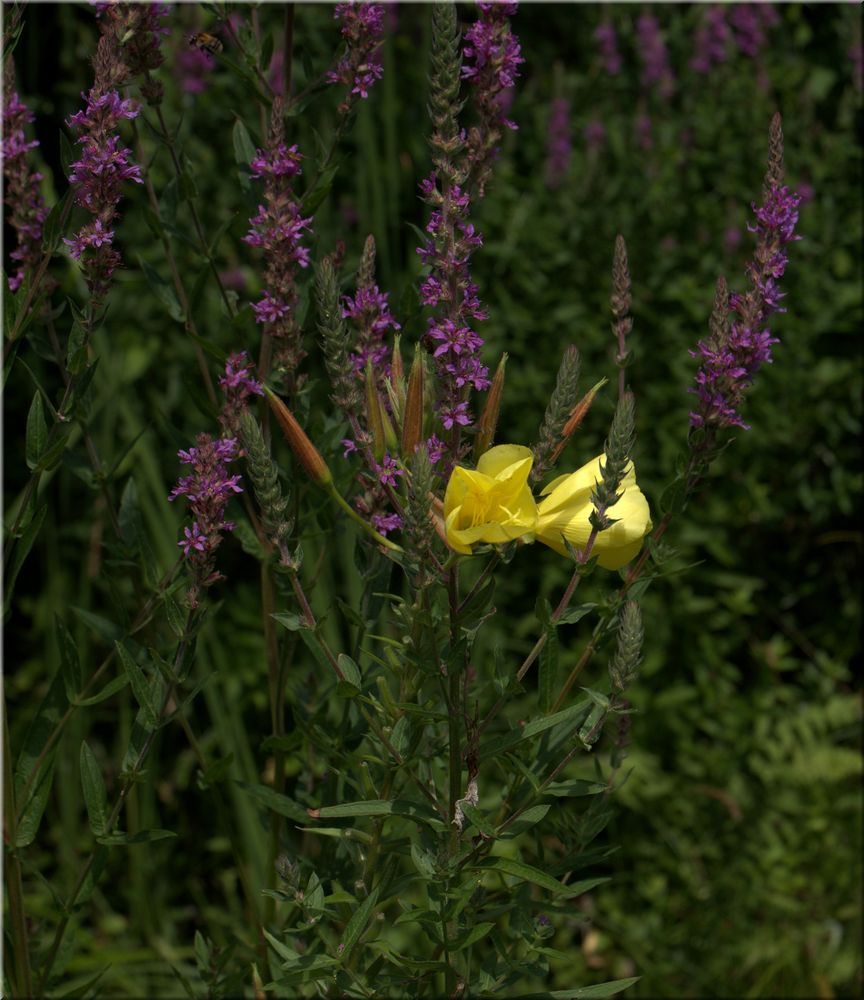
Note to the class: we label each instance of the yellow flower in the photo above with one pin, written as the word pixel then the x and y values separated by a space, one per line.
pixel 567 506
pixel 492 503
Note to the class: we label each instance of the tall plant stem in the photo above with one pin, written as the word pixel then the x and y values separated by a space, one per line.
pixel 563 604
pixel 276 686
pixel 20 952
pixel 113 816
pixel 166 138
pixel 179 287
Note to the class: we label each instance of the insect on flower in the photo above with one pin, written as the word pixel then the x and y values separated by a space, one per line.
pixel 206 42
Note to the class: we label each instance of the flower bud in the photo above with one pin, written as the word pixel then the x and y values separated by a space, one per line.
pixel 489 417
pixel 575 419
pixel 305 452
pixel 374 414
pixel 412 420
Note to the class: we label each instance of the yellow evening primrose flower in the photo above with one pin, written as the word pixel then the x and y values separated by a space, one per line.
pixel 567 506
pixel 492 503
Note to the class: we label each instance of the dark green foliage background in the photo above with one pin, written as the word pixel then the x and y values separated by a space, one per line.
pixel 739 825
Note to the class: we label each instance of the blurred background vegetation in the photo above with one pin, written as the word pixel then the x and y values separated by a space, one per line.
pixel 738 827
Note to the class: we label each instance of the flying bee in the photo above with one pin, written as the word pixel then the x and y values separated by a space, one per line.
pixel 206 42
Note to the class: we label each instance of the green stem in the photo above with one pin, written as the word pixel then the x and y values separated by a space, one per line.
pixel 367 527
pixel 277 724
pixel 112 817
pixel 20 952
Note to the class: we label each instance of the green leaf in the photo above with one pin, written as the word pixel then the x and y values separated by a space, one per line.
pixel 531 817
pixel 120 839
pixel 573 615
pixel 93 786
pixel 597 992
pixel 161 289
pixel 20 552
pixel 471 936
pixel 358 922
pixel 518 869
pixel 478 819
pixel 350 669
pixel 141 687
pixel 379 807
pixel 107 631
pixel 76 349
pixel 275 801
pixel 423 862
pixel 111 688
pixel 547 681
pixel 30 769
pixel 307 968
pixel 70 665
pixel 51 231
pixel 36 433
pixel 567 718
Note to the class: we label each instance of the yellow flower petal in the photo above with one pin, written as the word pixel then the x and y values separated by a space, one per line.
pixel 566 508
pixel 492 503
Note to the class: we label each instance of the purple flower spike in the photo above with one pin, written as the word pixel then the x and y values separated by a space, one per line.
pixel 711 41
pixel 360 66
pixel 278 228
pixel 27 210
pixel 735 351
pixel 238 384
pixel 656 71
pixel 559 142
pixel 607 40
pixel 98 176
pixel 208 490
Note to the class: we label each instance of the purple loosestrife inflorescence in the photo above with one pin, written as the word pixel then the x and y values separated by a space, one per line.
pixel 749 23
pixel 711 41
pixel 27 210
pixel 360 65
pixel 277 229
pixel 740 345
pixel 607 39
pixel 207 490
pixel 559 142
pixel 595 136
pixel 370 313
pixel 656 71
pixel 491 60
pixel 98 176
pixel 238 384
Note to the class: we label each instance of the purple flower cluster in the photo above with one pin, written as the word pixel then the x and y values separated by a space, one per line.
pixel 98 176
pixel 730 360
pixel 749 24
pixel 711 41
pixel 492 56
pixel 238 384
pixel 370 313
pixel 208 490
pixel 559 142
pixel 607 40
pixel 656 71
pixel 449 288
pixel 21 194
pixel 131 45
pixel 856 54
pixel 277 229
pixel 490 62
pixel 360 66
pixel 192 68
pixel 595 136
